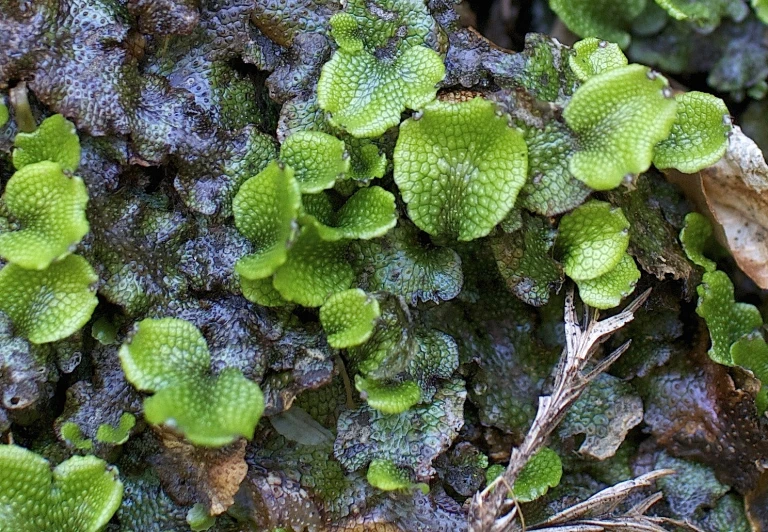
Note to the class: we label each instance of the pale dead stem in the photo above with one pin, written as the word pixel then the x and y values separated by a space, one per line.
pixel 491 511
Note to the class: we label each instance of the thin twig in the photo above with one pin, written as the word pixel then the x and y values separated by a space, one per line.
pixel 570 381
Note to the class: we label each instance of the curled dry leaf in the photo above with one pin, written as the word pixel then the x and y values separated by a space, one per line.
pixel 734 194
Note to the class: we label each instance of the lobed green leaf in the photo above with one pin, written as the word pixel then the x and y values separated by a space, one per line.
pixel 49 209
pixel 607 290
pixel 694 236
pixel 265 210
pixel 80 495
pixel 592 56
pixel 348 318
pixel 618 117
pixel 318 159
pixel 726 320
pixel 699 135
pixel 459 168
pixel 54 140
pixel 594 238
pixel 50 304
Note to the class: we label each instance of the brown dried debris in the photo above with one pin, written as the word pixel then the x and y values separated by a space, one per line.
pixel 192 474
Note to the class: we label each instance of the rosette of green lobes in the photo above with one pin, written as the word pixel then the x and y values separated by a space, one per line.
pixel 459 168
pixel 265 209
pixel 592 56
pixel 54 140
pixel 3 114
pixel 594 238
pixel 365 92
pixel 348 317
pixel 79 495
pixel 47 208
pixel 318 159
pixel 604 19
pixel 170 358
pixel 51 304
pixel 699 135
pixel 618 117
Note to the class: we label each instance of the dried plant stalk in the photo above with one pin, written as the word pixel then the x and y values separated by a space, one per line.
pixel 571 379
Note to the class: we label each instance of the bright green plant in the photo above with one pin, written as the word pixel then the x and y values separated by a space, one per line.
pixel 406 79
pixel 618 117
pixel 459 167
pixel 265 210
pixel 169 357
pixel 51 304
pixel 733 327
pixel 369 213
pixel 607 290
pixel 751 352
pixel 301 242
pixel 348 318
pixel 106 433
pixel 48 293
pixel 542 472
pixel 48 207
pixel 199 519
pixel 315 269
pixel 694 236
pixel 79 495
pixel 705 14
pixel 592 56
pixel 73 436
pixel 727 320
pixel 761 9
pixel 318 159
pixel 54 140
pixel 387 476
pixel 594 238
pixel 218 189
pixel 116 435
pixel 389 398
pixel 699 135
pixel 604 19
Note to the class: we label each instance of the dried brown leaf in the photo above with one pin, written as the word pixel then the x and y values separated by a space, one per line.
pixel 192 474
pixel 734 194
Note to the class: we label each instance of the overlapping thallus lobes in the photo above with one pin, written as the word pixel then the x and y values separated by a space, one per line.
pixel 466 167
